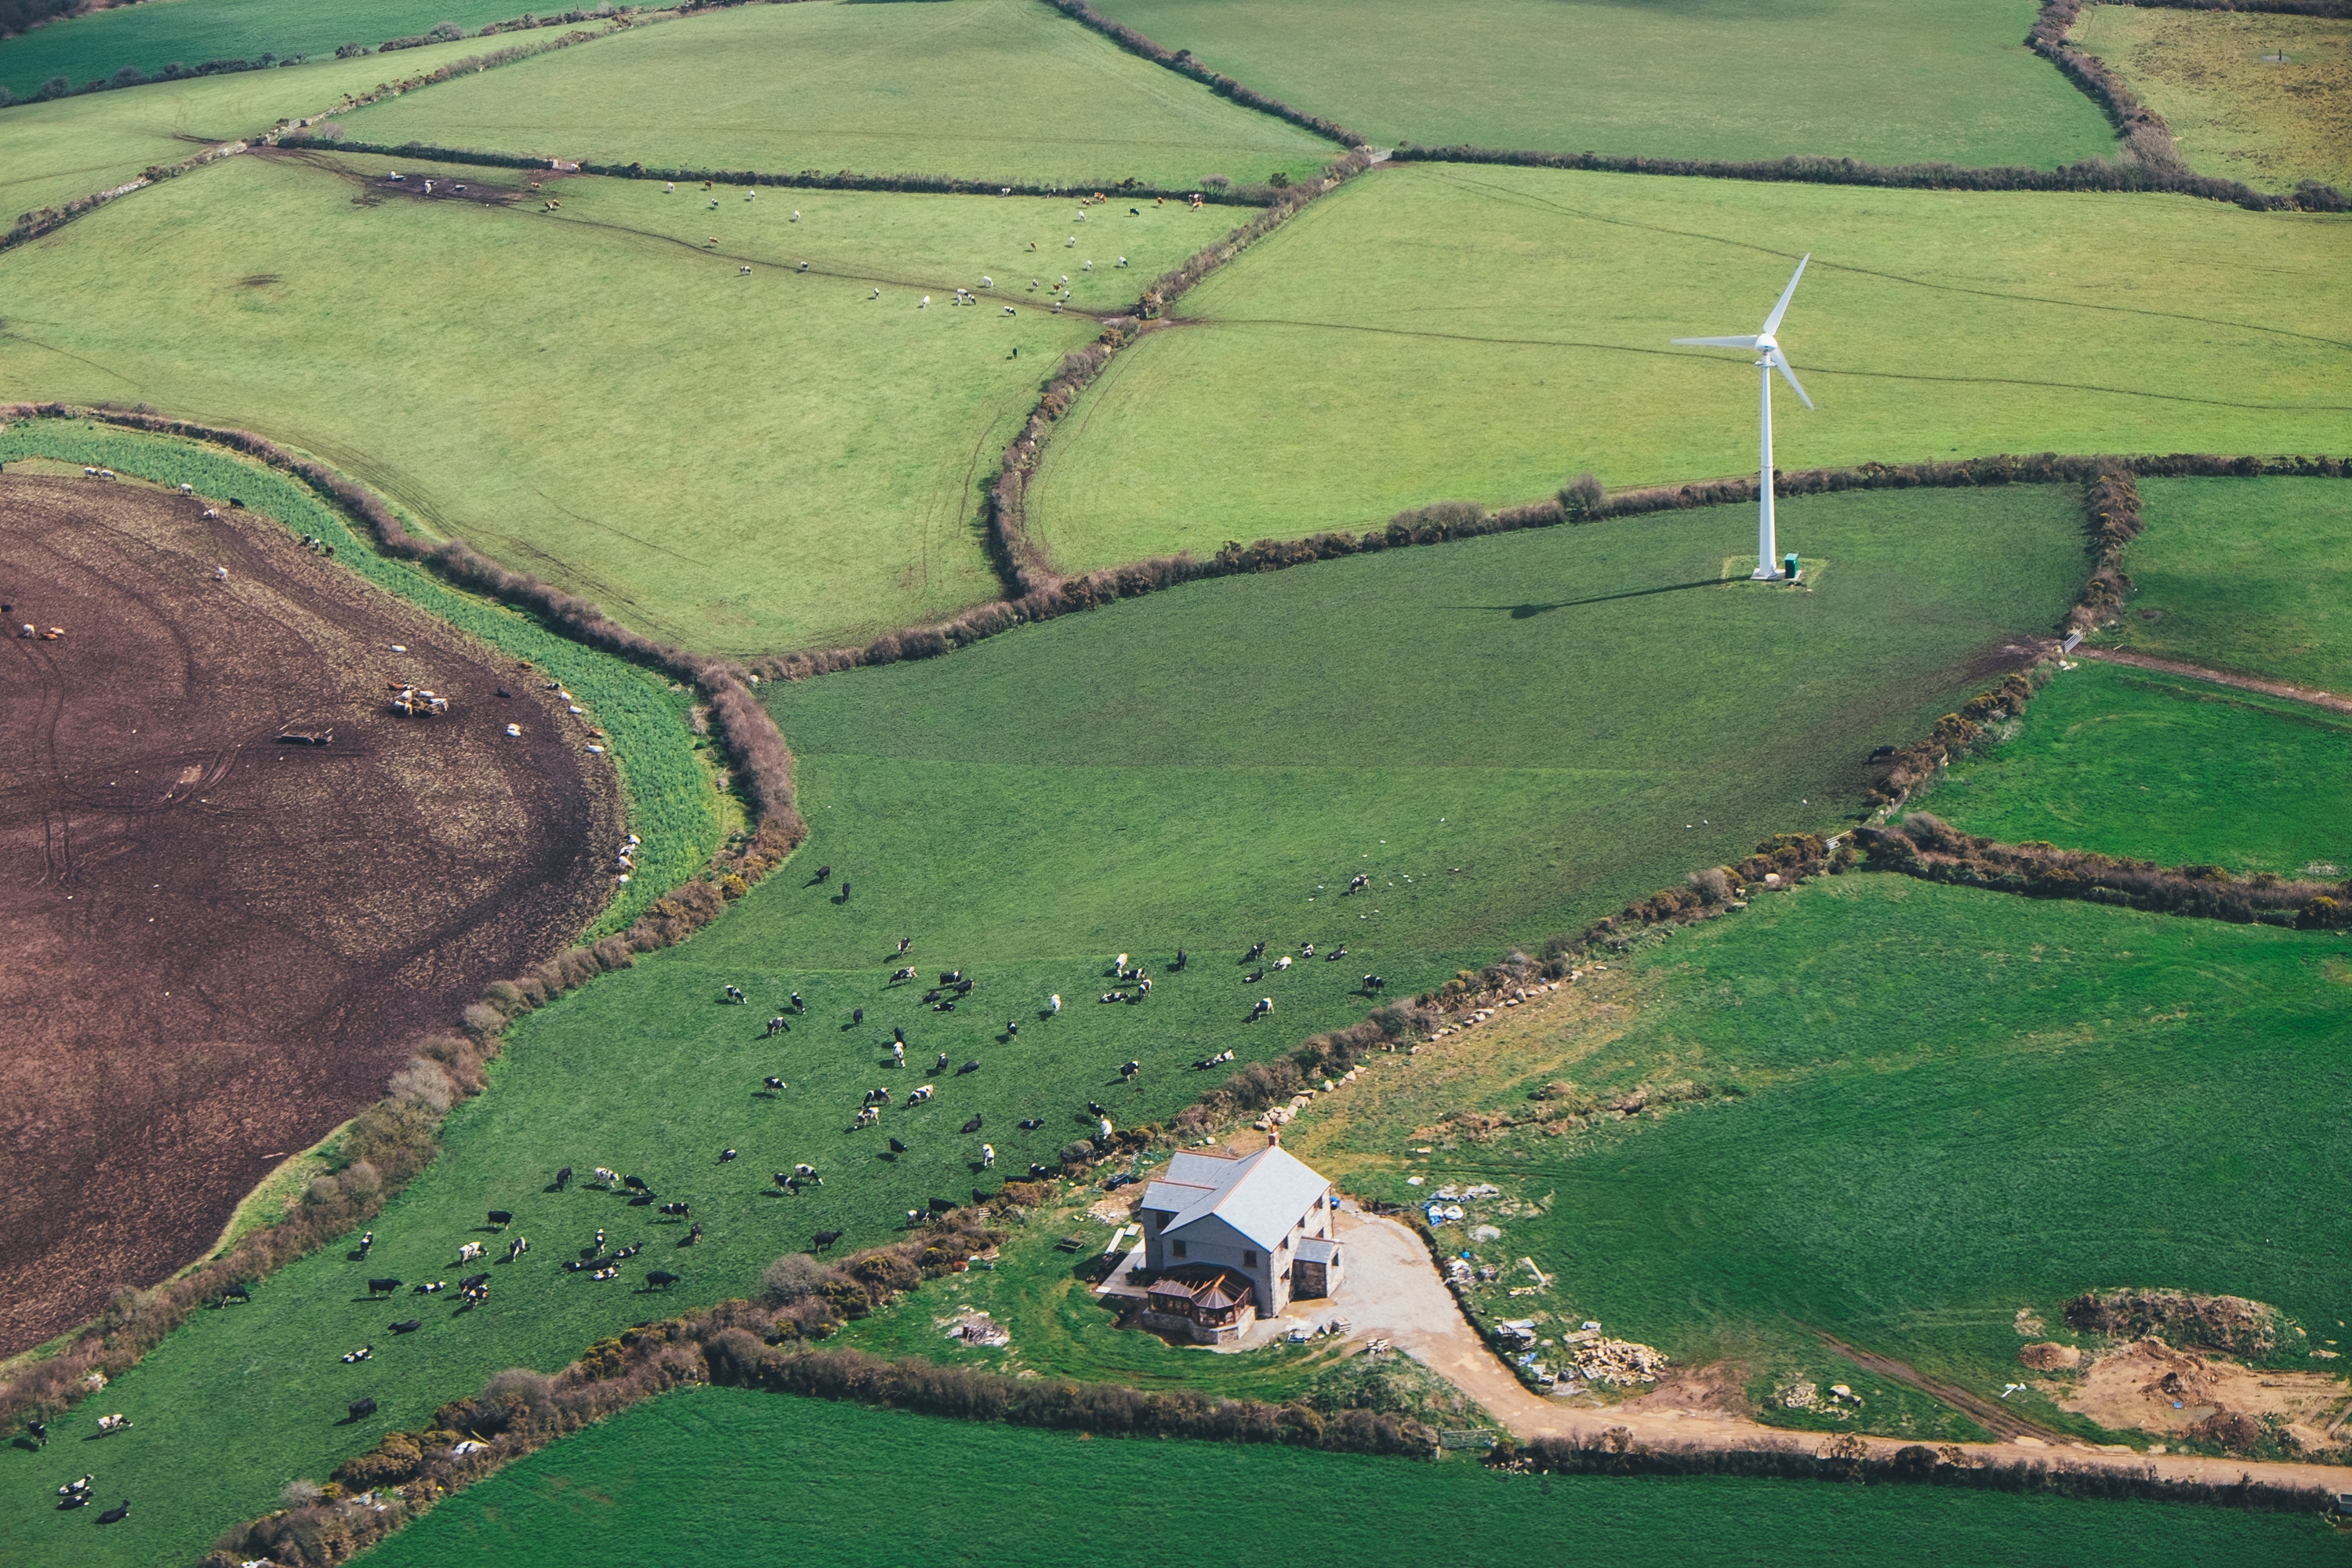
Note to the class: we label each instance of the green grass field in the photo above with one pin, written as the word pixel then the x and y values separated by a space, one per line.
pixel 731 463
pixel 1476 333
pixel 873 1488
pixel 2249 575
pixel 1936 1106
pixel 1176 770
pixel 2130 762
pixel 189 32
pixel 74 146
pixel 2233 111
pixel 670 800
pixel 1004 90
pixel 1946 81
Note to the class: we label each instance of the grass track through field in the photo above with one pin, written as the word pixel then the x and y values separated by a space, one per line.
pixel 2125 761
pixel 716 1502
pixel 1005 89
pixel 1437 332
pixel 73 146
pixel 1872 79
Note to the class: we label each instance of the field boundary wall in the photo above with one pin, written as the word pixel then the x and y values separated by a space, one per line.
pixel 389 1141
pixel 842 180
pixel 33 225
pixel 1181 62
pixel 1046 596
pixel 737 1344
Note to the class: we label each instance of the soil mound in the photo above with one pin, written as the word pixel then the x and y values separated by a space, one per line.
pixel 219 943
pixel 2051 1356
pixel 2228 1323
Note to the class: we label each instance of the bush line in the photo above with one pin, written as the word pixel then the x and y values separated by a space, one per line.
pixel 324 136
pixel 1046 596
pixel 2093 175
pixel 747 1343
pixel 1183 62
pixel 393 1140
pixel 1932 850
pixel 1848 1459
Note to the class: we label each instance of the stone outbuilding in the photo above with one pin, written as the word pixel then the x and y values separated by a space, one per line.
pixel 1228 1240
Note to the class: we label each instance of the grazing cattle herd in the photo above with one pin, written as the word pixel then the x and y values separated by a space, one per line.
pixel 600 1262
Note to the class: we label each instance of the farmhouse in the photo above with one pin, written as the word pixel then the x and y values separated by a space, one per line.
pixel 1227 1241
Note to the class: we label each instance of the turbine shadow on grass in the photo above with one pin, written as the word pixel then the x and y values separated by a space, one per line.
pixel 1525 612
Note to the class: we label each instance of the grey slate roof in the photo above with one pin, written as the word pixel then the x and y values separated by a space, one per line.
pixel 1314 1250
pixel 1261 1195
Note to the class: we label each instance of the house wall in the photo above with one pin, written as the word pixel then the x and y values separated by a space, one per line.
pixel 1211 1240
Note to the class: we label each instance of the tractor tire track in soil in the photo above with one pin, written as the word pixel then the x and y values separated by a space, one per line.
pixel 218 946
pixel 1989 1414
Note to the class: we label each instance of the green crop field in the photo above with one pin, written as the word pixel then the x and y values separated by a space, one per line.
pixel 71 147
pixel 2130 762
pixel 1947 81
pixel 1174 771
pixel 159 32
pixel 2234 109
pixel 871 1488
pixel 733 463
pixel 1457 333
pixel 1004 90
pixel 2249 575
pixel 670 802
pixel 1933 1107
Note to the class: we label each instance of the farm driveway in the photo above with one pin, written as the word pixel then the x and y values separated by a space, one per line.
pixel 1394 1292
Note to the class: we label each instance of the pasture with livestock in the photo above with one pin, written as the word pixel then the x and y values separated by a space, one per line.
pixel 986 90
pixel 901 619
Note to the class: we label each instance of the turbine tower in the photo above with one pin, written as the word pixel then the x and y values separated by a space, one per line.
pixel 1768 569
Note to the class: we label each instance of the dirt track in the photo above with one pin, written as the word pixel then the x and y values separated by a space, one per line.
pixel 216 947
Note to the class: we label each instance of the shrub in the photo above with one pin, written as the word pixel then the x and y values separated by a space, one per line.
pixel 1278 180
pixel 351 51
pixel 56 86
pixel 129 75
pixel 446 32
pixel 422 1082
pixel 793 1276
pixel 1579 498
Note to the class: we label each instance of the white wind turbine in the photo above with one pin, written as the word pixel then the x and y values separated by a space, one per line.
pixel 1766 568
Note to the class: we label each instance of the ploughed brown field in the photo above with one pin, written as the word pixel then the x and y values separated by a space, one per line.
pixel 214 945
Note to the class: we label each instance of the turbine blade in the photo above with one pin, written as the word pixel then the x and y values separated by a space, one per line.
pixel 1720 343
pixel 1781 364
pixel 1772 321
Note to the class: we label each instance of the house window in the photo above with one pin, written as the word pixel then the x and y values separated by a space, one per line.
pixel 1249 1259
pixel 1179 1248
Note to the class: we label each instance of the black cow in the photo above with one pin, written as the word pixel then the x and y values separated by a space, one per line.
pixel 563 1178
pixel 501 1218
pixel 1257 951
pixel 639 1200
pixel 382 1287
pixel 636 1184
pixel 972 1065
pixel 823 1239
pixel 661 1278
pixel 973 1125
pixel 822 874
pixel 473 1282
pixel 240 1291
pixel 408 1326
pixel 116 1515
pixel 857 1015
pixel 1031 1125
pixel 38 1431
pixel 361 1409
pixel 676 1208
pixel 896 1147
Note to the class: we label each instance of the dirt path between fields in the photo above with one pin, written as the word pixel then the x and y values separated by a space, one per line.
pixel 1394 1292
pixel 2312 695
